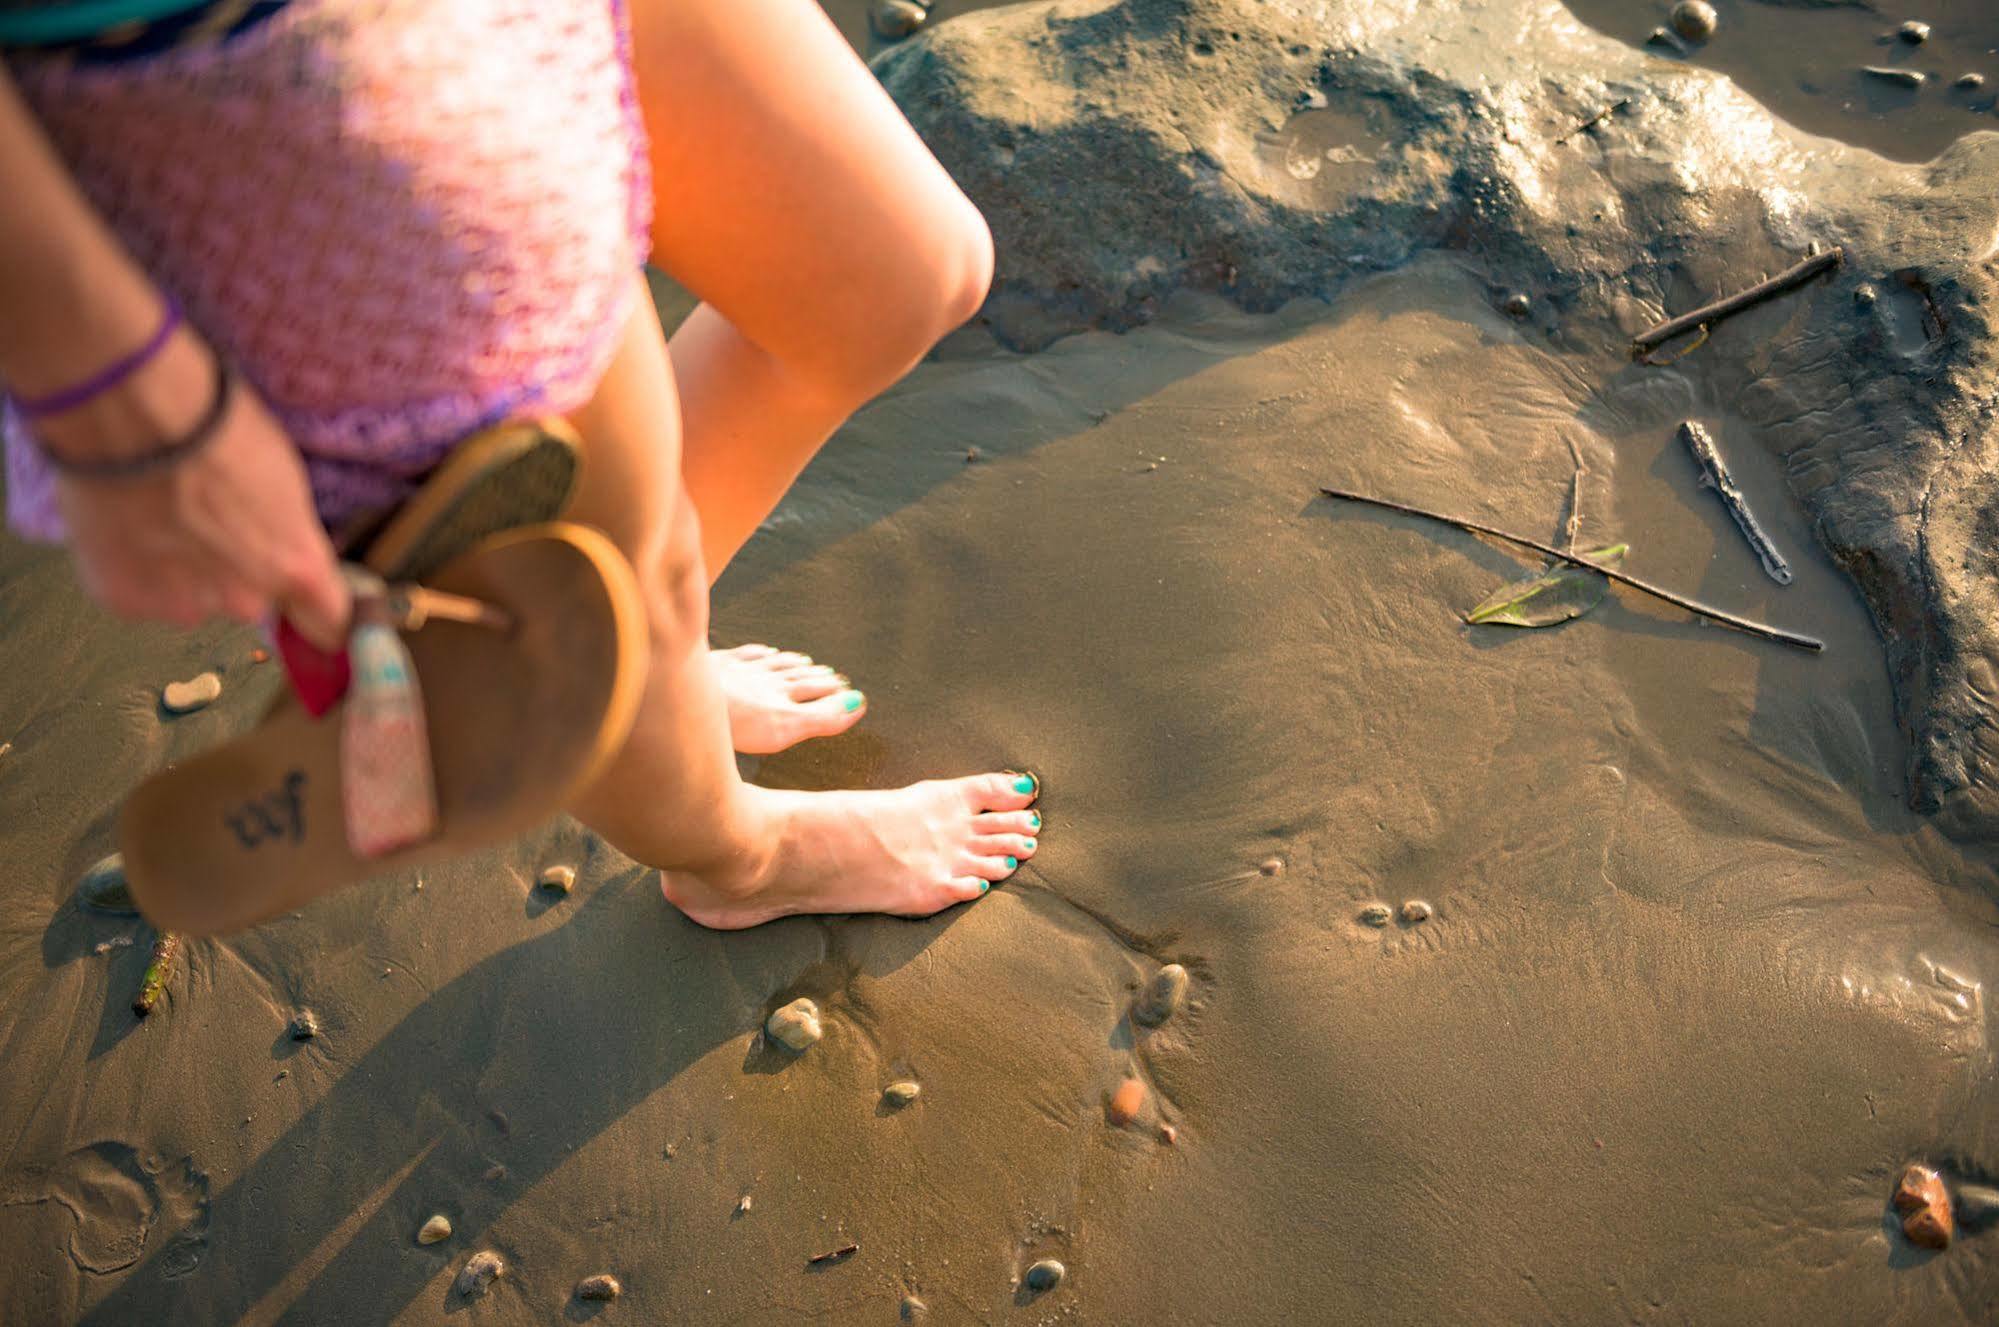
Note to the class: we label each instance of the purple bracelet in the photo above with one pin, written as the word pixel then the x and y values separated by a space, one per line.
pixel 69 398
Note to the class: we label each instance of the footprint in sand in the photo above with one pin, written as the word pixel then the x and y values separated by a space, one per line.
pixel 115 1199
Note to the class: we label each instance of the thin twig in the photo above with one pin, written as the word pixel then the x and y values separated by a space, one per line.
pixel 1706 314
pixel 1594 120
pixel 1610 573
pixel 840 1252
pixel 1575 524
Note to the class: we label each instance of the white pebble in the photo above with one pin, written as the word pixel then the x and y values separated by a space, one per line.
pixel 194 694
pixel 796 1025
pixel 561 879
pixel 436 1229
pixel 480 1270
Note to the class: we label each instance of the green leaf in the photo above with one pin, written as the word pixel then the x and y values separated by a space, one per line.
pixel 1554 595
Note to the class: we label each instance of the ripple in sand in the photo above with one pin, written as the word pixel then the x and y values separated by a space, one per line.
pixel 480 1271
pixel 103 888
pixel 194 694
pixel 603 1286
pixel 796 1025
pixel 435 1230
pixel 1162 997
pixel 1045 1275
pixel 901 1094
pixel 561 879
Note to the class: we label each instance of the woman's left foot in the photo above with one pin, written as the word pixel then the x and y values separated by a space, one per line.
pixel 778 699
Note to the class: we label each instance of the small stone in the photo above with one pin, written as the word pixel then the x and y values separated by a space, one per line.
pixel 895 19
pixel 561 879
pixel 194 694
pixel 1914 32
pixel 973 454
pixel 480 1271
pixel 1168 1135
pixel 913 1308
pixel 1663 38
pixel 1864 295
pixel 1045 1275
pixel 1925 1207
pixel 1518 305
pixel 1271 866
pixel 796 1025
pixel 1127 1102
pixel 1908 78
pixel 304 1025
pixel 495 1173
pixel 1162 996
pixel 260 655
pixel 103 888
pixel 1416 910
pixel 603 1286
pixel 1929 1227
pixel 1970 82
pixel 1377 914
pixel 1694 19
pixel 1918 1187
pixel 744 1204
pixel 436 1229
pixel 901 1094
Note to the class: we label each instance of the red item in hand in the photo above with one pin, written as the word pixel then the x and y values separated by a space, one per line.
pixel 319 678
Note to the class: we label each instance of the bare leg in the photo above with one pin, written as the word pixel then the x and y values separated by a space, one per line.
pixel 731 854
pixel 831 252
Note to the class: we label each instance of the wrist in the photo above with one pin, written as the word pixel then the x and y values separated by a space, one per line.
pixel 160 400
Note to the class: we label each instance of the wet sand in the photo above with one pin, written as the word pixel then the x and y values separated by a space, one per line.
pixel 1695 986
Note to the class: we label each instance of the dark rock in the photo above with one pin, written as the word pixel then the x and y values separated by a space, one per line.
pixel 1045 1275
pixel 1162 997
pixel 1107 193
pixel 1913 32
pixel 1694 19
pixel 304 1025
pixel 603 1286
pixel 1970 82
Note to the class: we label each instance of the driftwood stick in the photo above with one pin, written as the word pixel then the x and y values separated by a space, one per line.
pixel 1707 314
pixel 1574 528
pixel 1777 634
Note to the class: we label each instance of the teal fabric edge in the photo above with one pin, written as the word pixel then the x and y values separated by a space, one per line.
pixel 45 25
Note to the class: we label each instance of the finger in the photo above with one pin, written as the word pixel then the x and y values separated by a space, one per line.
pixel 315 597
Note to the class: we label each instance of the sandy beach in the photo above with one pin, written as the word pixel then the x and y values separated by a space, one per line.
pixel 1673 982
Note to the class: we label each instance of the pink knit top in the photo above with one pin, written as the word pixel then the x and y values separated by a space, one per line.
pixel 402 220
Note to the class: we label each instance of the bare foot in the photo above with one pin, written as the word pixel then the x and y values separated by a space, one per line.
pixel 778 699
pixel 911 852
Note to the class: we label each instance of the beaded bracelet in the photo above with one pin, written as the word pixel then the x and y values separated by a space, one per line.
pixel 146 464
pixel 69 398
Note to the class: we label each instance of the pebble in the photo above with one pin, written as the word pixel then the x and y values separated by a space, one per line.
pixel 1271 866
pixel 194 694
pixel 1925 1208
pixel 1908 78
pixel 1377 914
pixel 1518 305
pixel 1914 32
pixel 260 655
pixel 435 1229
pixel 796 1025
pixel 1045 1275
pixel 744 1204
pixel 1863 294
pixel 1663 37
pixel 1168 1134
pixel 103 888
pixel 602 1286
pixel 973 454
pixel 1694 19
pixel 304 1025
pixel 1971 82
pixel 1416 910
pixel 495 1173
pixel 480 1270
pixel 895 19
pixel 1127 1101
pixel 1162 996
pixel 913 1308
pixel 561 879
pixel 901 1094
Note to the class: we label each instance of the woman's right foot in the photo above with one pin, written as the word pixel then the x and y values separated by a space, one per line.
pixel 911 852
pixel 777 699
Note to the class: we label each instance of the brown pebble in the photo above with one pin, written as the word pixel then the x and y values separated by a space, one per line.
pixel 1908 78
pixel 1929 1227
pixel 1271 866
pixel 561 879
pixel 495 1173
pixel 603 1286
pixel 480 1270
pixel 1694 19
pixel 1416 910
pixel 1925 1207
pixel 1168 1134
pixel 902 1093
pixel 260 656
pixel 304 1025
pixel 973 454
pixel 1127 1101
pixel 1914 32
pixel 896 19
pixel 795 1025
pixel 1162 997
pixel 194 694
pixel 435 1229
pixel 1377 914
pixel 1518 305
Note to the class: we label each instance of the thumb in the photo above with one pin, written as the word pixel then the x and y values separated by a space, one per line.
pixel 316 599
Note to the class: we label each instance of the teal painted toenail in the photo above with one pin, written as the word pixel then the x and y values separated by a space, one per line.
pixel 984 885
pixel 1034 820
pixel 852 702
pixel 1027 844
pixel 1012 865
pixel 1024 784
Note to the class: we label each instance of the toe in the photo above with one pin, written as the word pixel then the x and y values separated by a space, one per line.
pixel 992 868
pixel 833 714
pixel 1011 790
pixel 787 659
pixel 1025 823
pixel 812 686
pixel 961 890
pixel 1018 846
pixel 747 652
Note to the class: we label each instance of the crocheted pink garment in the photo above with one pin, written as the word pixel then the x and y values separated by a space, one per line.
pixel 402 220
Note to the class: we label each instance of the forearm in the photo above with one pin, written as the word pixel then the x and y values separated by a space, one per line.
pixel 71 298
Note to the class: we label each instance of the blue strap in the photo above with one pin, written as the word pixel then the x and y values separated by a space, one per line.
pixel 50 24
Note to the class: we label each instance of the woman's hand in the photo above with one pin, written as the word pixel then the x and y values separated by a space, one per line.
pixel 228 531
